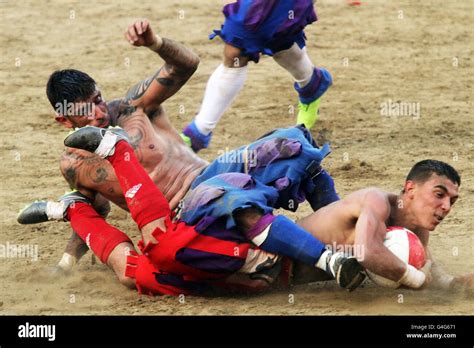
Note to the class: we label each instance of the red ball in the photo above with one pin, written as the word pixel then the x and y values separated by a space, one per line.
pixel 404 244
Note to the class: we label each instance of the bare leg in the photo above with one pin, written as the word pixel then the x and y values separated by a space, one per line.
pixel 117 261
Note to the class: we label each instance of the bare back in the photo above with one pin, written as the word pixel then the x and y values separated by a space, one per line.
pixel 335 223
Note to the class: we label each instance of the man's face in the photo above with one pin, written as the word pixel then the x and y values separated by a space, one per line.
pixel 431 200
pixel 89 112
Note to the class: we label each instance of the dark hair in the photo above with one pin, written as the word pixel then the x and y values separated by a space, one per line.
pixel 69 86
pixel 423 170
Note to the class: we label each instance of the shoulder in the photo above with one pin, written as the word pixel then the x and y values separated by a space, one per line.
pixel 114 110
pixel 374 200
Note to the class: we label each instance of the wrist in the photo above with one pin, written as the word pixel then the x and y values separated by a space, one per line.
pixel 412 278
pixel 156 45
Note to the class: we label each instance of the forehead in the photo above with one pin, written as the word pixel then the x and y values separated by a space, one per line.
pixel 91 97
pixel 441 182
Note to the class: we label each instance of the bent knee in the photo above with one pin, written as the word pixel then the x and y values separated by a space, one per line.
pixel 233 57
pixel 127 281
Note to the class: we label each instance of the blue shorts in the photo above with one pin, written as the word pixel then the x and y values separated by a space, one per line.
pixel 265 26
pixel 273 172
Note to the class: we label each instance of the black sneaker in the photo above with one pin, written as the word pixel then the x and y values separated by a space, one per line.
pixel 101 141
pixel 42 211
pixel 347 271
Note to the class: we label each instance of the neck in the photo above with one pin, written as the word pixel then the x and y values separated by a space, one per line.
pixel 401 214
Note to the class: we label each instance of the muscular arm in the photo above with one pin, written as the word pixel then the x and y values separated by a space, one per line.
pixel 370 231
pixel 180 64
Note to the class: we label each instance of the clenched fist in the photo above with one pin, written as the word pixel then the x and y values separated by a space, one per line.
pixel 141 34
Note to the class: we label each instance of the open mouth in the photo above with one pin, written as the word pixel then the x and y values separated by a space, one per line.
pixel 439 218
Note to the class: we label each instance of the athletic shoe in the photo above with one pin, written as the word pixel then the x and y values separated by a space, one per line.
pixel 97 140
pixel 308 108
pixel 195 139
pixel 42 211
pixel 346 270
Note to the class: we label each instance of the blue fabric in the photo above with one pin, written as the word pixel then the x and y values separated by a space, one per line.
pixel 265 26
pixel 288 239
pixel 278 177
pixel 221 195
pixel 285 172
pixel 324 192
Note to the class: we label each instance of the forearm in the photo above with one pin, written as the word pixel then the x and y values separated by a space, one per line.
pixel 381 261
pixel 179 59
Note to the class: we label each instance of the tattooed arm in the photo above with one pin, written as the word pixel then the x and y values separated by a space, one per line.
pixel 180 64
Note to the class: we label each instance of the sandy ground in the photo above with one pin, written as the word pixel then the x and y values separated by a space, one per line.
pixel 403 51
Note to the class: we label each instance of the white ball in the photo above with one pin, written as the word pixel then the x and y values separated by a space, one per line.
pixel 406 246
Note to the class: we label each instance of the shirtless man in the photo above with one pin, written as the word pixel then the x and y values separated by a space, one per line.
pixel 156 143
pixel 361 219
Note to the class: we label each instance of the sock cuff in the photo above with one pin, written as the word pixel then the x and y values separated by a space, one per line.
pixel 259 227
pixel 233 70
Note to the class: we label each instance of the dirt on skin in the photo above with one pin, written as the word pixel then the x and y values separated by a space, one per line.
pixel 380 54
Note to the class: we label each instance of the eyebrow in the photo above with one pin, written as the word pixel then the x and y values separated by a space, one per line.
pixel 442 187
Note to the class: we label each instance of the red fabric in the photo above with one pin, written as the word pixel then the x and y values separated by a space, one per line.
pixel 101 237
pixel 140 268
pixel 144 200
pixel 178 236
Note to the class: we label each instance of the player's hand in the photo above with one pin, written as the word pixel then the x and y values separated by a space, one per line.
pixel 141 34
pixel 465 281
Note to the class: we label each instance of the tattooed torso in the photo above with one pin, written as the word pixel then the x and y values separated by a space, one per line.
pixel 170 162
pixel 172 165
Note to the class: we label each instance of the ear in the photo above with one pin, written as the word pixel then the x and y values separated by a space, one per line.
pixel 409 188
pixel 64 121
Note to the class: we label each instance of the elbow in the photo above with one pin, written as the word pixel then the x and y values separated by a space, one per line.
pixel 192 65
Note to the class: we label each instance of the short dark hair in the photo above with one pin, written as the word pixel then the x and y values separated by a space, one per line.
pixel 69 86
pixel 423 170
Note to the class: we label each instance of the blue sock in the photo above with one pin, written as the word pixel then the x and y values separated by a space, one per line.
pixel 287 238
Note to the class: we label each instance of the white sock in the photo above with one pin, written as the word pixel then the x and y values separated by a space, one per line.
pixel 323 260
pixel 55 210
pixel 222 87
pixel 297 62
